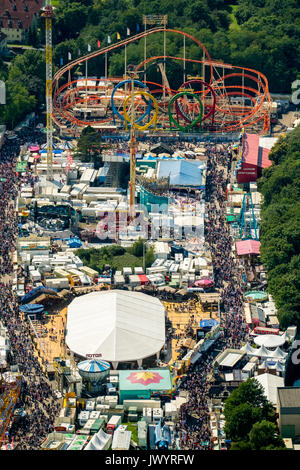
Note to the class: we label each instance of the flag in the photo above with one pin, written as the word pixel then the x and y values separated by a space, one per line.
pixel 61 61
pixel 128 32
pixel 69 56
pixel 118 36
pixel 89 48
pixel 79 52
pixel 108 40
pixel 137 28
pixel 99 44
pixel 70 159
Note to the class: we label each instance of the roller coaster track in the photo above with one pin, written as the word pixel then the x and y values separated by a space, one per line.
pixel 257 112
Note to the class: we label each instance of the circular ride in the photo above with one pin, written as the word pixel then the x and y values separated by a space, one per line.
pixel 225 98
pixel 190 107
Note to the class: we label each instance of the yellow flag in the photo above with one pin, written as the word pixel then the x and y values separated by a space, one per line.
pixel 118 36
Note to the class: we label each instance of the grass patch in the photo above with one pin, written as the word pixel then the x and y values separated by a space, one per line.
pixel 134 429
pixel 116 256
pixel 234 24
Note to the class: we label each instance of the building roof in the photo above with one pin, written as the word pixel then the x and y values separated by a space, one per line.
pixel 256 151
pixel 151 379
pixel 119 325
pixel 270 385
pixel 181 172
pixel 18 17
pixel 289 397
pixel 248 247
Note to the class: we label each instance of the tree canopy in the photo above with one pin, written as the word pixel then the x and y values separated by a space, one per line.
pixel 250 419
pixel 280 227
pixel 254 33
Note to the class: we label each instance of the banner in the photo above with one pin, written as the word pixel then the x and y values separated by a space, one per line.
pixel 108 40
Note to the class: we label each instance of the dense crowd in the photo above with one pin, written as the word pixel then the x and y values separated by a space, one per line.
pixel 194 426
pixel 37 398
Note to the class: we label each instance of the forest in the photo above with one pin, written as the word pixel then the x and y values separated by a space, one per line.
pixel 280 229
pixel 260 34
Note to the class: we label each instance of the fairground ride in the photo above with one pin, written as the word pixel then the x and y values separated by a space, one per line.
pixel 9 394
pixel 223 98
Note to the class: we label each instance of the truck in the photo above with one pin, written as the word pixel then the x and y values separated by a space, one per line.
pixel 113 423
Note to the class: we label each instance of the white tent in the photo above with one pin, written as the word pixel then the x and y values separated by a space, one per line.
pixel 249 350
pixel 270 383
pixel 99 441
pixel 269 341
pixel 278 353
pixel 262 352
pixel 117 325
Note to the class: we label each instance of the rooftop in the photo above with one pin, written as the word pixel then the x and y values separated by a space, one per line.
pixel 18 14
pixel 289 397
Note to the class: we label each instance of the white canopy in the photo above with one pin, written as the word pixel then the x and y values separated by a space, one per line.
pixel 99 441
pixel 249 350
pixel 270 341
pixel 270 384
pixel 262 352
pixel 118 325
pixel 279 354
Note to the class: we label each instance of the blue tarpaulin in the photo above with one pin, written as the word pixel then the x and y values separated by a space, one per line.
pixel 32 308
pixel 37 291
pixel 74 242
pixel 208 323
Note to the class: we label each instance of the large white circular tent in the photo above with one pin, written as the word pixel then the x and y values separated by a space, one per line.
pixel 269 341
pixel 117 325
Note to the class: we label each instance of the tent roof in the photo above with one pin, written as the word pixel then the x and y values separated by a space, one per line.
pixel 270 384
pixel 181 172
pixel 248 247
pixel 119 325
pixel 93 366
pixel 269 341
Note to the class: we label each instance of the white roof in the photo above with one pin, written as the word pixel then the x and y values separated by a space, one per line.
pixel 270 384
pixel 269 341
pixel 231 359
pixel 99 441
pixel 119 325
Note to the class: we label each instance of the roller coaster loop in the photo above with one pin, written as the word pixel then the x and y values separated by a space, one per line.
pixel 195 121
pixel 153 120
pixel 114 109
pixel 211 111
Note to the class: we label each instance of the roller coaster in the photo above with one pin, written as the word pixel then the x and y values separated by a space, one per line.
pixel 226 98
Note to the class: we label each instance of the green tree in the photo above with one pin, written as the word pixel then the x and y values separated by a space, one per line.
pixel 264 436
pixel 89 147
pixel 245 406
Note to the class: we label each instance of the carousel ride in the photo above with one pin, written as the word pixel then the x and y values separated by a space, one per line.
pixel 224 99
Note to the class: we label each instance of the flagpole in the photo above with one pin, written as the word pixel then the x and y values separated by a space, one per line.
pixel 145 49
pixel 86 79
pixel 183 59
pixel 105 66
pixel 125 66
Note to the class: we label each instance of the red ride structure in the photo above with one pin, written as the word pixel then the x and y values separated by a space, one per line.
pixel 233 97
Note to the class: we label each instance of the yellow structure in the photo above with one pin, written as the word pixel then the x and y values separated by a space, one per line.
pixel 48 14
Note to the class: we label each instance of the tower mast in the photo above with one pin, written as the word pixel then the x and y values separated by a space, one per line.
pixel 48 14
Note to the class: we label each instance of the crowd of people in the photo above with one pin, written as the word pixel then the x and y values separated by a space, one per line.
pixel 36 398
pixel 194 429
